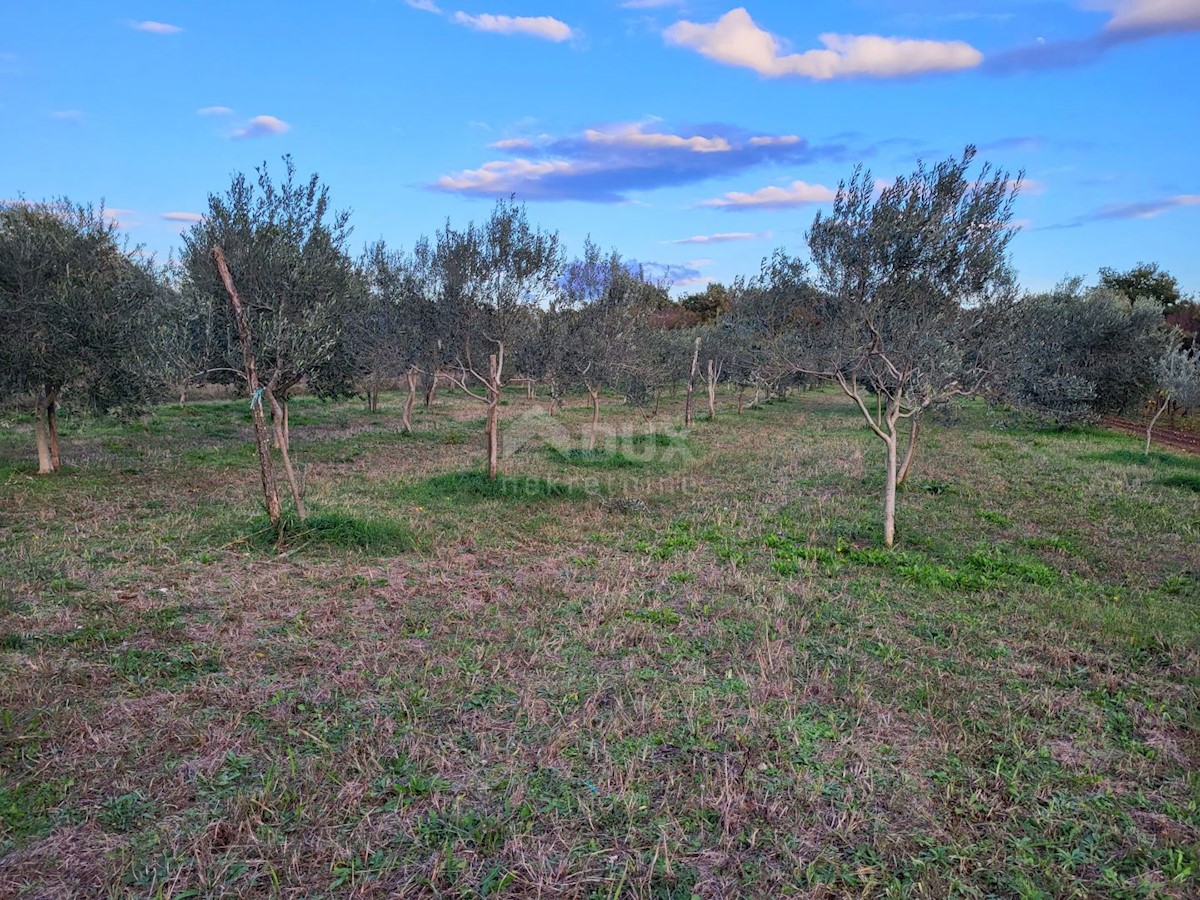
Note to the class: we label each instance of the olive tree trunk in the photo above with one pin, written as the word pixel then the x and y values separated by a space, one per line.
pixel 262 438
pixel 42 433
pixel 1150 428
pixel 691 385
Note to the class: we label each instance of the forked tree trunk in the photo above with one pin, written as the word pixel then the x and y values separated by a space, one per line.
pixel 42 432
pixel 594 396
pixel 1150 427
pixel 52 429
pixel 691 385
pixel 279 416
pixel 409 401
pixel 913 433
pixel 261 436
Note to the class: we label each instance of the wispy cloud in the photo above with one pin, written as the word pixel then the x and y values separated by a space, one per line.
pixel 187 217
pixel 605 163
pixel 261 126
pixel 736 40
pixel 1129 21
pixel 424 5
pixel 547 28
pixel 156 27
pixel 650 4
pixel 1144 209
pixel 69 116
pixel 214 111
pixel 724 237
pixel 798 193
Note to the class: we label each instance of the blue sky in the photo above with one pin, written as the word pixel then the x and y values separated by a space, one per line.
pixel 694 135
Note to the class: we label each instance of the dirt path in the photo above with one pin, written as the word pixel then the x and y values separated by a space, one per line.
pixel 1164 437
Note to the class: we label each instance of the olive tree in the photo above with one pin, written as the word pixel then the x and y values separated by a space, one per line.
pixel 78 313
pixel 488 281
pixel 286 258
pixel 1178 373
pixel 1080 353
pixel 601 297
pixel 907 274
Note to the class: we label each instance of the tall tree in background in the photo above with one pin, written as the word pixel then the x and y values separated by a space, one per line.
pixel 908 273
pixel 1145 281
pixel 78 312
pixel 286 255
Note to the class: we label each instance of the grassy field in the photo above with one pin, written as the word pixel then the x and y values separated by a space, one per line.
pixel 676 667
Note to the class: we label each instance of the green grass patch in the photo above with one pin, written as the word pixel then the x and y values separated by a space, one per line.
pixel 473 487
pixel 594 458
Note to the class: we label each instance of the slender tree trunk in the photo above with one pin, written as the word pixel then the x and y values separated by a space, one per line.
pixel 741 397
pixel 913 433
pixel 279 416
pixel 495 365
pixel 691 385
pixel 52 429
pixel 529 389
pixel 712 391
pixel 889 494
pixel 410 400
pixel 261 437
pixel 594 395
pixel 287 431
pixel 42 433
pixel 1150 427
pixel 657 400
pixel 757 394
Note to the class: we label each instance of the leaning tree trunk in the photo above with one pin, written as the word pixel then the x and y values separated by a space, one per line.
pixel 279 416
pixel 409 401
pixel 691 386
pixel 262 438
pixel 52 428
pixel 906 466
pixel 1150 427
pixel 42 432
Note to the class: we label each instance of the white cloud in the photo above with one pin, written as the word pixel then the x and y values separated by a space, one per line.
pixel 504 175
pixel 798 193
pixel 650 4
pixel 766 140
pixel 261 126
pixel 182 217
pixel 214 111
pixel 724 237
pixel 70 116
pixel 1149 15
pixel 735 40
pixel 424 5
pixel 156 27
pixel 632 135
pixel 510 144
pixel 544 27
